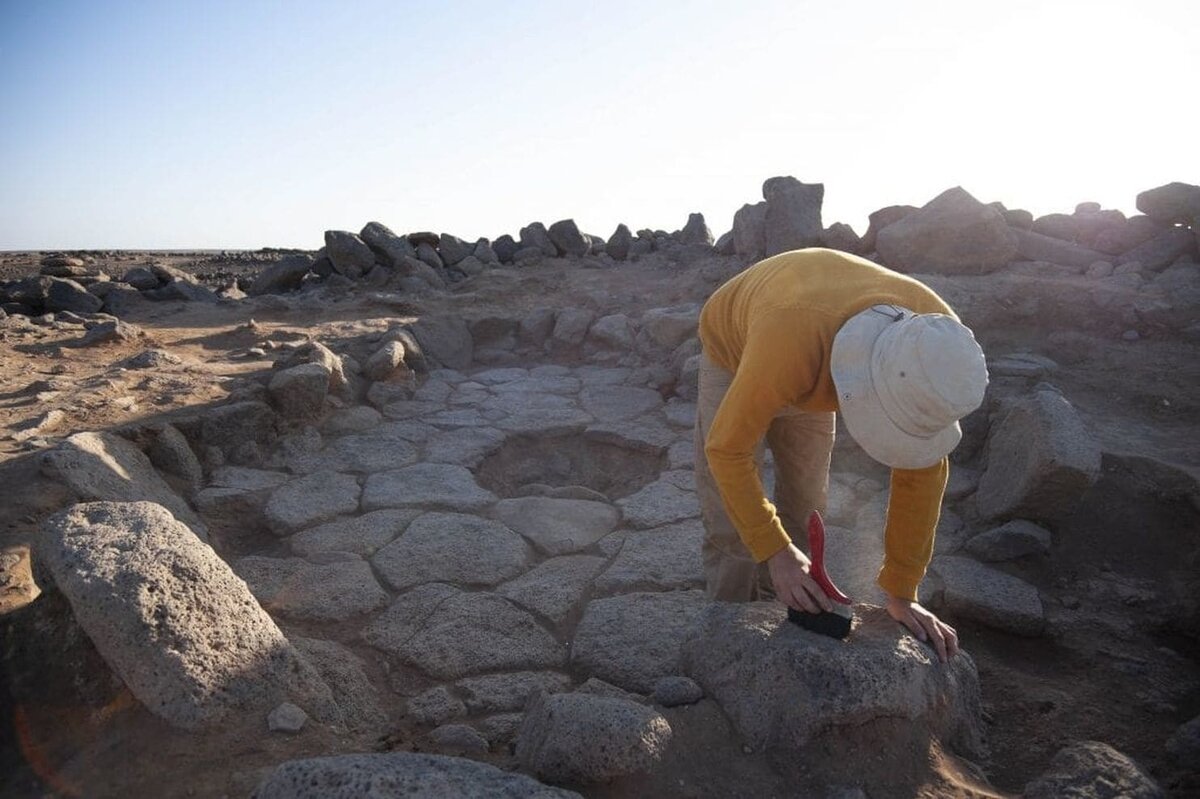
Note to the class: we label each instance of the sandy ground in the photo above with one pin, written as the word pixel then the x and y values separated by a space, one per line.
pixel 1116 670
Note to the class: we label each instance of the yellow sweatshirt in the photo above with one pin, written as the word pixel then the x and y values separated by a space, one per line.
pixel 772 326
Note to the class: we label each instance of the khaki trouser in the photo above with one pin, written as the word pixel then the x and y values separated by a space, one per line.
pixel 801 444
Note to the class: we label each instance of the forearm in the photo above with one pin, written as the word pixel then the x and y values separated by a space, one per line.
pixel 914 506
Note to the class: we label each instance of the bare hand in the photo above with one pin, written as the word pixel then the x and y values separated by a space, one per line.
pixel 793 585
pixel 925 626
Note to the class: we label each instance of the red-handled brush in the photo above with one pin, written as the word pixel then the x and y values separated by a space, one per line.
pixel 834 623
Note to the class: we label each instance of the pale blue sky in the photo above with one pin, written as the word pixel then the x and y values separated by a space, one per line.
pixel 248 124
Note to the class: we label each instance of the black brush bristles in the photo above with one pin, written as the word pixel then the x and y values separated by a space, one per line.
pixel 835 623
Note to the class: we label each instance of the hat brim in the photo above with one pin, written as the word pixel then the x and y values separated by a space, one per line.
pixel 858 402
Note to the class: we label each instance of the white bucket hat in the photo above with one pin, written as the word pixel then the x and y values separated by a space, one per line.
pixel 904 380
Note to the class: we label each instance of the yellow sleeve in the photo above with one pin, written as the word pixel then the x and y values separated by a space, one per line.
pixel 780 361
pixel 914 506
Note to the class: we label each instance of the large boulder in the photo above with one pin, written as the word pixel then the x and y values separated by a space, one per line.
pixel 348 254
pixel 584 738
pixel 171 618
pixel 619 243
pixel 971 590
pixel 748 226
pixel 880 219
pixel 789 689
pixel 1038 247
pixel 389 248
pixel 535 236
pixel 445 340
pixel 567 238
pixel 1171 204
pixel 1040 460
pixel 67 295
pixel 1161 250
pixel 106 467
pixel 793 217
pixel 395 774
pixel 696 231
pixel 952 234
pixel 1093 770
pixel 299 392
pixel 286 274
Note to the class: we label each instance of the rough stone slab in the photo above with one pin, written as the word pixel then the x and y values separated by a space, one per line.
pixel 372 451
pixel 675 690
pixel 179 628
pixel 640 435
pixel 105 467
pixel 498 693
pixel 581 738
pixel 988 596
pixel 435 706
pixel 426 485
pixel 681 413
pixel 1038 247
pixel 507 374
pixel 548 422
pixel 247 479
pixel 782 686
pixel 286 718
pixel 534 385
pixel 363 535
pixel 396 774
pixel 558 526
pixel 554 587
pixel 1041 460
pixel 670 327
pixel 662 502
pixel 1093 770
pixel 663 559
pixel 634 639
pixel 342 670
pixel 297 589
pixel 465 446
pixel 356 419
pixel 461 738
pixel 310 500
pixel 445 340
pixel 299 392
pixel 618 403
pixel 1016 539
pixel 453 548
pixel 450 634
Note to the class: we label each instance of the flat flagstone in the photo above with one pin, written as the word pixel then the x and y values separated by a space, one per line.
pixel 362 535
pixel 563 384
pixel 505 374
pixel 671 498
pixel 298 589
pixel 554 587
pixel 358 452
pixel 465 446
pixel 552 422
pixel 616 403
pixel 452 548
pixel 663 559
pixel 558 526
pixel 426 485
pixel 450 634
pixel 310 500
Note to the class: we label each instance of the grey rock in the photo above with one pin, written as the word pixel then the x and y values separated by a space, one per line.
pixel 418 776
pixel 619 403
pixel 558 526
pixel 669 499
pixel 498 693
pixel 382 448
pixel 453 548
pixel 840 236
pixel 724 244
pixel 611 641
pixel 953 234
pixel 286 274
pixel 106 467
pixel 1184 743
pixel 67 295
pixel 527 255
pixel 152 359
pixel 309 500
pixel 427 255
pixel 187 290
pixel 1093 770
pixel 140 278
pixel 465 446
pixel 452 249
pixel 299 392
pixel 1038 247
pixel 340 378
pixel 535 235
pixel 570 328
pixel 1161 250
pixel 1171 204
pixel 793 217
pixel 536 326
pixel 670 327
pixel 348 253
pixel 387 363
pixel 356 419
pixel 991 597
pixel 470 266
pixel 567 238
pixel 785 688
pixel 461 737
pixel 426 485
pixel 388 248
pixel 505 247
pixel 450 634
pixel 696 231
pixel 435 706
pixel 484 251
pixel 286 718
pixel 171 454
pixel 1016 539
pixel 880 219
pixel 343 671
pixel 664 559
pixel 445 340
pixel 554 588
pixel 674 690
pixel 171 618
pixel 748 230
pixel 362 535
pixel 614 331
pixel 298 589
pixel 420 273
pixel 560 739
pixel 619 243
pixel 1041 459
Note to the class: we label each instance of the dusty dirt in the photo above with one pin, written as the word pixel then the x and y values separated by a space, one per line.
pixel 1122 664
